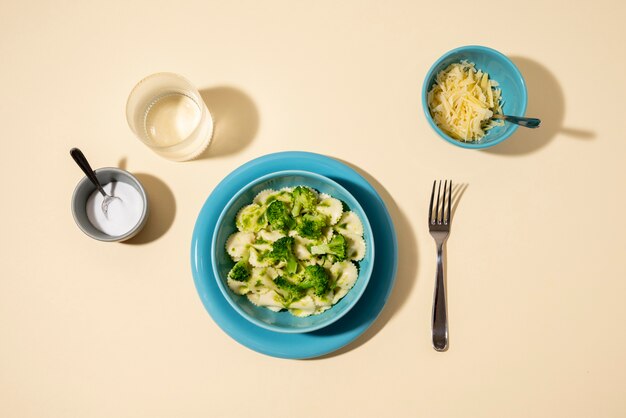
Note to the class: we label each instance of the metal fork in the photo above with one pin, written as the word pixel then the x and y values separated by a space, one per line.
pixel 439 227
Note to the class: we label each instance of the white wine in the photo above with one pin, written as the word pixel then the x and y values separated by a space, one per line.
pixel 172 118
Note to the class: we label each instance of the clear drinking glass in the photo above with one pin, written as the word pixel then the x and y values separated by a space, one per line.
pixel 168 114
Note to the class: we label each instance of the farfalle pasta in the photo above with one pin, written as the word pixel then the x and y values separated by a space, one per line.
pixel 295 249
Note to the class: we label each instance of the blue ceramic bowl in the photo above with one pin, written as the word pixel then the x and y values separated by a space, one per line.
pixel 500 69
pixel 221 262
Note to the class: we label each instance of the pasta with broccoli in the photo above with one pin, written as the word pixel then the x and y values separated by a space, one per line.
pixel 295 249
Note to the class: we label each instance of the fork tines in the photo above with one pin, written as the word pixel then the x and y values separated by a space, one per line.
pixel 440 215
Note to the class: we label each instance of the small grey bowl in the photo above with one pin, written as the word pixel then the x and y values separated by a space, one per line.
pixel 85 188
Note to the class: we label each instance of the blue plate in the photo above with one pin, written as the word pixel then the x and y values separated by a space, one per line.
pixel 325 340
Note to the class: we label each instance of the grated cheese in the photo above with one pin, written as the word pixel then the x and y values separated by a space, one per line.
pixel 463 100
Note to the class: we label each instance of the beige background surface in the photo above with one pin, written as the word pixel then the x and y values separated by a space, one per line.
pixel 536 269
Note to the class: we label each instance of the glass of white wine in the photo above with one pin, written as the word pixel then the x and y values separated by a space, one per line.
pixel 168 114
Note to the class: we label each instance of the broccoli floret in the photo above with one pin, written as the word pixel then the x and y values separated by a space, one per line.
pixel 240 271
pixel 278 216
pixel 316 278
pixel 310 226
pixel 290 292
pixel 303 200
pixel 337 247
pixel 282 250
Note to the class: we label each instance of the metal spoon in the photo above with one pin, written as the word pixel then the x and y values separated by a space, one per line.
pixel 82 162
pixel 525 122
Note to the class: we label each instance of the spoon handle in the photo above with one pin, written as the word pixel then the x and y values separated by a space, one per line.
pixel 82 162
pixel 525 122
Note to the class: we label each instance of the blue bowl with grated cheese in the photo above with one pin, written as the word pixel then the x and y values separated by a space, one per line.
pixel 283 321
pixel 501 69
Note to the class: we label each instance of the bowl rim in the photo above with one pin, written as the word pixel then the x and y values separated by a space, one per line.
pixel 226 291
pixel 425 88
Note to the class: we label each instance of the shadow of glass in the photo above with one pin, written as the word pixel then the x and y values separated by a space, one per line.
pixel 162 207
pixel 546 102
pixel 407 266
pixel 236 120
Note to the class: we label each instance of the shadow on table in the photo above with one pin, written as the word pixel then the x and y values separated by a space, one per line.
pixel 405 277
pixel 235 118
pixel 161 207
pixel 458 190
pixel 546 102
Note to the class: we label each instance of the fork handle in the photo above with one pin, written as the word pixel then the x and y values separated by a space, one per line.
pixel 521 121
pixel 440 312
